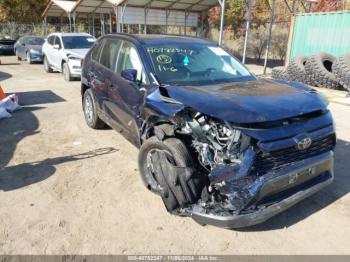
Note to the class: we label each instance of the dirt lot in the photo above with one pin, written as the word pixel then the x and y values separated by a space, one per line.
pixel 65 188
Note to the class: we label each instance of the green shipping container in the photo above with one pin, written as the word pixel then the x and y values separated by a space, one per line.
pixel 315 32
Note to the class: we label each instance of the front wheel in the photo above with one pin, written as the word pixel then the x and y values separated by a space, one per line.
pixel 167 169
pixel 66 73
pixel 29 60
pixel 18 57
pixel 90 112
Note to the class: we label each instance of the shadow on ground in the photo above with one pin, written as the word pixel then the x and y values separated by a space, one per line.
pixel 12 130
pixel 14 177
pixel 38 98
pixel 339 188
pixel 4 76
pixel 23 122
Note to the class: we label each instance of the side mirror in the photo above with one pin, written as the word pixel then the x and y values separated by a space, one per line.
pixel 129 74
pixel 56 47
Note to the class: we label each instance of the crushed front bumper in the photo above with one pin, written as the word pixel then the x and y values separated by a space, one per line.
pixel 279 192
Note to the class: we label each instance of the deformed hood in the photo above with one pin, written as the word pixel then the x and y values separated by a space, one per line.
pixel 249 102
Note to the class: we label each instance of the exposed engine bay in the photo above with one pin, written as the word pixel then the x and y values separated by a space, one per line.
pixel 234 172
pixel 223 180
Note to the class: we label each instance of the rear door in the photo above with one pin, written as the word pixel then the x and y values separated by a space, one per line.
pixel 101 77
pixel 19 47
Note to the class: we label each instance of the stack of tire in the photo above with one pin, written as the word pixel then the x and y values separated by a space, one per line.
pixel 320 69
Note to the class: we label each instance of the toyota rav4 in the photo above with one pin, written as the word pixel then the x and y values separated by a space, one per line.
pixel 216 143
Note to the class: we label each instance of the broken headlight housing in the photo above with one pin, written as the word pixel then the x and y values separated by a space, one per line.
pixel 217 142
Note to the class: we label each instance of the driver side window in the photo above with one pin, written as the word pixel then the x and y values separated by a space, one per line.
pixel 130 59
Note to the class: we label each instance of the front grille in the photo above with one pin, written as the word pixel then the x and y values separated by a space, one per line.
pixel 272 161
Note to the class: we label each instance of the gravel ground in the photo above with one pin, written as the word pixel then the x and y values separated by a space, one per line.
pixel 68 189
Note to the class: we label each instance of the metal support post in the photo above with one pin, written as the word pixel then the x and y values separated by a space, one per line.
pixel 74 25
pixel 222 21
pixel 167 14
pixel 247 30
pixel 145 23
pixel 272 19
pixel 70 22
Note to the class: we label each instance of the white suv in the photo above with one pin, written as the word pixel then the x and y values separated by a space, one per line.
pixel 63 52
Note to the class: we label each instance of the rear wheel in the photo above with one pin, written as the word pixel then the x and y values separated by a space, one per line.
pixel 66 73
pixel 47 65
pixel 90 112
pixel 18 57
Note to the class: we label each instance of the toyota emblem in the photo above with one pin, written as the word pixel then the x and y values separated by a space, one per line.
pixel 304 143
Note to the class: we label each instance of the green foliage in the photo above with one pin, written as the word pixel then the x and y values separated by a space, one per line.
pixel 21 11
pixel 235 14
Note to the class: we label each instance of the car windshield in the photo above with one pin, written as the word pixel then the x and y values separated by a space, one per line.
pixel 196 64
pixel 35 41
pixel 77 42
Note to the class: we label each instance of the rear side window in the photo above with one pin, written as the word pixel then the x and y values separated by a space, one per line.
pixel 51 39
pixel 109 53
pixel 96 51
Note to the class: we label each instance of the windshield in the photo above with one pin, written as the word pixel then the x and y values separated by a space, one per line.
pixel 199 64
pixel 34 41
pixel 77 42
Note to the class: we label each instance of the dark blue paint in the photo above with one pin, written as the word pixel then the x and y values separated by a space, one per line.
pixel 250 101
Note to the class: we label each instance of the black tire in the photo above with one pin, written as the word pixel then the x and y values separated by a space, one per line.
pixel 296 70
pixel 341 69
pixel 29 60
pixel 66 73
pixel 280 73
pixel 47 66
pixel 319 70
pixel 18 57
pixel 90 112
pixel 176 190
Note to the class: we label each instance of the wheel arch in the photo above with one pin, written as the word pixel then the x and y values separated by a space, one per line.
pixel 157 126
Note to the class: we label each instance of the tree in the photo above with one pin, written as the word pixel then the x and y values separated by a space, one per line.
pixel 327 6
pixel 21 11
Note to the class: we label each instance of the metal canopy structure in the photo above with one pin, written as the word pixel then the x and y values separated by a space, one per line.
pixel 179 5
pixel 183 13
pixel 58 8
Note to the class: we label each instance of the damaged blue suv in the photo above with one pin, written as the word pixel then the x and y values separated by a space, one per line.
pixel 216 143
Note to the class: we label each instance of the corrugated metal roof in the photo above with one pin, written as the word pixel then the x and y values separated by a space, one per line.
pixel 58 7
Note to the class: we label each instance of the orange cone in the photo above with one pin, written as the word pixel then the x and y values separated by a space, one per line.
pixel 2 94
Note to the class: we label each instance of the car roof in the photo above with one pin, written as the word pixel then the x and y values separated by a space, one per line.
pixel 162 39
pixel 70 34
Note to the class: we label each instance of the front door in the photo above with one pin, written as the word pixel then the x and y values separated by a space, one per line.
pixel 56 57
pixel 125 96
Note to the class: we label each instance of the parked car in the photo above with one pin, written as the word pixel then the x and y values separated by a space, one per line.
pixel 63 52
pixel 216 143
pixel 7 46
pixel 29 48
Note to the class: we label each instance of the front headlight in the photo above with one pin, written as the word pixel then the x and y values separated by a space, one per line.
pixel 34 52
pixel 72 57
